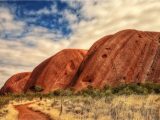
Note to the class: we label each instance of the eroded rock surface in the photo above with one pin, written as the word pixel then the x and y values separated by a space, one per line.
pixel 16 83
pixel 128 56
pixel 58 71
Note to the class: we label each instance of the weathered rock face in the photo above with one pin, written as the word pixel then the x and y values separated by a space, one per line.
pixel 56 72
pixel 16 83
pixel 128 56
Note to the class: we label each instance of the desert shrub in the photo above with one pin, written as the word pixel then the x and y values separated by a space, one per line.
pixel 58 92
pixel 90 91
pixel 141 90
pixel 38 88
pixel 127 91
pixel 107 92
pixel 152 87
pixel 124 89
pixel 3 101
pixel 116 90
pixel 137 88
pixel 68 92
pixel 134 89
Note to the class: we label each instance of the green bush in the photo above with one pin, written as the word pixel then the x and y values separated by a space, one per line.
pixel 143 88
pixel 125 89
pixel 38 88
pixel 152 87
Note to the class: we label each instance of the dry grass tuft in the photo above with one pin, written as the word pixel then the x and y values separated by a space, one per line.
pixel 133 107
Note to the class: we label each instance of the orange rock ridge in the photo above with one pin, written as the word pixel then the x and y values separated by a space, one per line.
pixel 58 71
pixel 128 56
pixel 16 83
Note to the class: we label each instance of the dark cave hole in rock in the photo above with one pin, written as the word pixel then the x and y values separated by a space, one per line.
pixel 90 80
pixel 104 56
pixel 148 74
pixel 139 36
pixel 65 73
pixel 108 48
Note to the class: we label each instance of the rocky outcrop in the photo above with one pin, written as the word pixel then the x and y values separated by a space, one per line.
pixel 16 83
pixel 128 56
pixel 56 72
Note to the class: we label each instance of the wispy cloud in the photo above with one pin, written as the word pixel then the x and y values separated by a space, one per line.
pixel 107 17
pixel 8 25
pixel 23 46
pixel 44 11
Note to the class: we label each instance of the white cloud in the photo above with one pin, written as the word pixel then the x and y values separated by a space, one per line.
pixel 26 52
pixel 103 17
pixel 72 18
pixel 111 16
pixel 8 25
pixel 44 11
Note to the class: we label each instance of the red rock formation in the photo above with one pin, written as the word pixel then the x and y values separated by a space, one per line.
pixel 16 83
pixel 56 72
pixel 128 56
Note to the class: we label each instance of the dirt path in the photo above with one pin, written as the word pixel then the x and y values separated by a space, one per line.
pixel 27 114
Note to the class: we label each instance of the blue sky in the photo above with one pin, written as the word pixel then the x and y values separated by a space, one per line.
pixel 47 14
pixel 32 31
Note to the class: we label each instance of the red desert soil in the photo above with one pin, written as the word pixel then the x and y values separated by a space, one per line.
pixel 27 114
pixel 16 83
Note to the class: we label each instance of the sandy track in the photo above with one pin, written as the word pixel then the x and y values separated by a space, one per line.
pixel 26 113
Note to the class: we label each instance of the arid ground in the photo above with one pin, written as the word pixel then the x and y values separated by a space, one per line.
pixel 113 107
